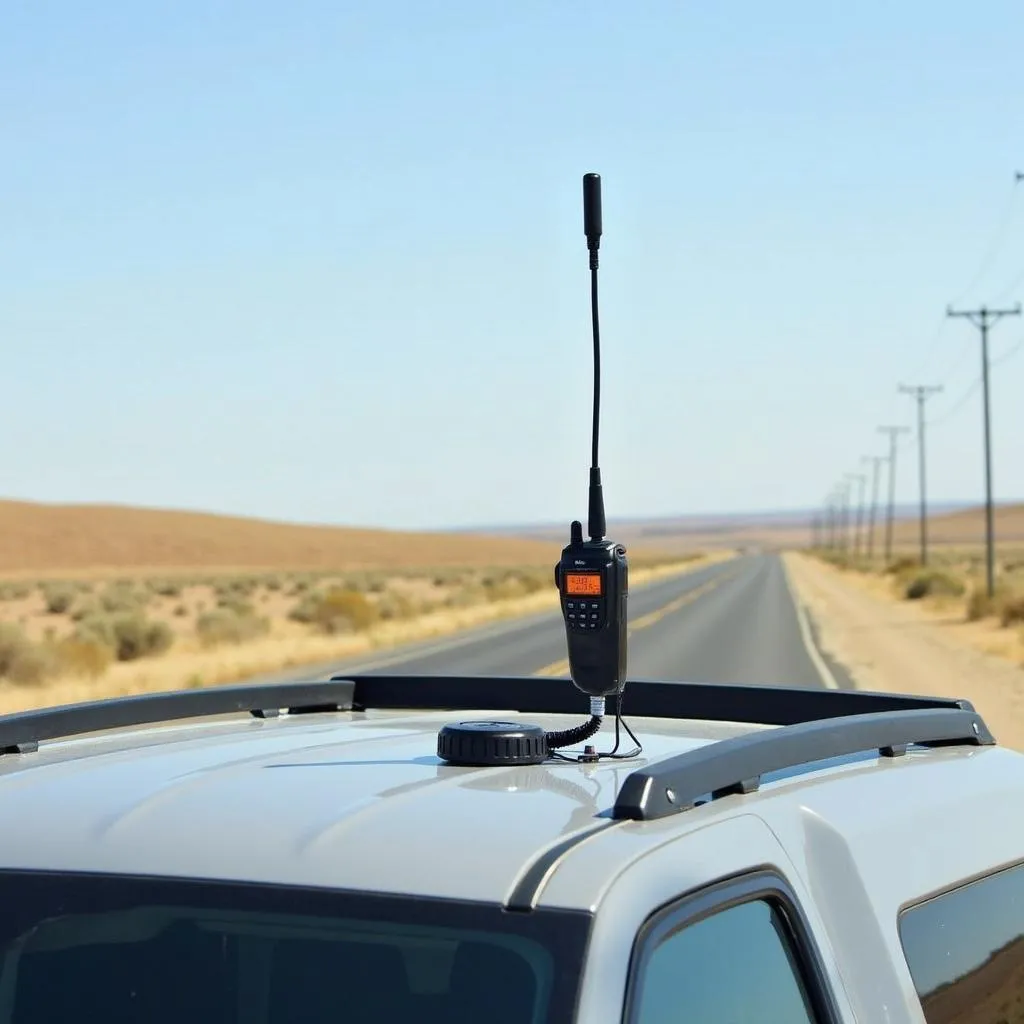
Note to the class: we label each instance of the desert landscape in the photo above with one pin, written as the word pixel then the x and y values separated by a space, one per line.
pixel 951 589
pixel 109 600
pixel 782 531
pixel 103 600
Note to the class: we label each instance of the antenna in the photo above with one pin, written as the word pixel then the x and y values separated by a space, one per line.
pixel 592 229
pixel 592 577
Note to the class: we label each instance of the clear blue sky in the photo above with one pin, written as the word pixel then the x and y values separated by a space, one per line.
pixel 325 261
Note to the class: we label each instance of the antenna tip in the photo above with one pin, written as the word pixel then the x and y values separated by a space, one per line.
pixel 592 209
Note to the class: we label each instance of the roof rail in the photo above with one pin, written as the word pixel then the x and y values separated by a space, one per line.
pixel 22 732
pixel 736 765
pixel 713 702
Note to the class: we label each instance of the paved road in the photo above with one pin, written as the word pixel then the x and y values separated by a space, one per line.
pixel 735 622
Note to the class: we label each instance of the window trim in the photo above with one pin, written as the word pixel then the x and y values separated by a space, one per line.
pixel 961 883
pixel 762 884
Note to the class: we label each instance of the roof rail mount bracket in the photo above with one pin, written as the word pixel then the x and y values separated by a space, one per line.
pixel 26 747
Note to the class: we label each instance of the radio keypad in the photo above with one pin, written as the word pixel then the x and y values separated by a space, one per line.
pixel 584 614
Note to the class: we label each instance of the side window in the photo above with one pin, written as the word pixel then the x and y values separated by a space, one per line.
pixel 965 951
pixel 738 964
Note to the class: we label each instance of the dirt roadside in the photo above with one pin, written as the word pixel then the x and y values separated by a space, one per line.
pixel 891 647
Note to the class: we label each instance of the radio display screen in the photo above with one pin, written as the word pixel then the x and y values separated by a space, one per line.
pixel 583 584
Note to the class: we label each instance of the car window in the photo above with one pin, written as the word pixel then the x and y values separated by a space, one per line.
pixel 965 951
pixel 736 965
pixel 113 950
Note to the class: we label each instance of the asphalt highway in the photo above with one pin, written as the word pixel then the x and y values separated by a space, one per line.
pixel 733 622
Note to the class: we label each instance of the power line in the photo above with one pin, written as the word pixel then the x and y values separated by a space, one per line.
pixel 999 237
pixel 1009 354
pixel 1019 279
pixel 983 319
pixel 975 384
pixel 894 433
pixel 957 405
pixel 1010 288
pixel 932 343
pixel 961 356
pixel 921 393
pixel 999 234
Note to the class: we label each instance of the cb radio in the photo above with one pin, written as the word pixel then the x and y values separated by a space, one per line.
pixel 591 578
pixel 592 575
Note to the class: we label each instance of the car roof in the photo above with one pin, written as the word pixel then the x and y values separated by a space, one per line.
pixel 347 800
pixel 358 799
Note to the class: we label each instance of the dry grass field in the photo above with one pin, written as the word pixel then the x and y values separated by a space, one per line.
pixel 97 601
pixel 71 640
pixel 951 591
pixel 941 622
pixel 964 528
pixel 925 646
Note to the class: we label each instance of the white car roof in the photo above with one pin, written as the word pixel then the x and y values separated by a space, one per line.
pixel 343 800
pixel 359 800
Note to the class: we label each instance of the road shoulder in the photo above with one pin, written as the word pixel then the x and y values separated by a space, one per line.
pixel 889 647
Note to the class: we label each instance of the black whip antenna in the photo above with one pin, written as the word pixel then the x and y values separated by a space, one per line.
pixel 592 229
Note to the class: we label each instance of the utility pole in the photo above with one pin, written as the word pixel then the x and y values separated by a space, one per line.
pixel 858 522
pixel 877 461
pixel 837 498
pixel 840 543
pixel 983 319
pixel 921 392
pixel 893 433
pixel 832 522
pixel 844 516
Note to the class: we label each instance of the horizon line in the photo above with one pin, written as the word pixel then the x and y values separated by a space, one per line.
pixel 901 510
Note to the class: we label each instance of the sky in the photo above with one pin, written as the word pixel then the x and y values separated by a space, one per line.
pixel 325 262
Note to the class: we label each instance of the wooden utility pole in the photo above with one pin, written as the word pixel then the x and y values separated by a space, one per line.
pixel 893 433
pixel 983 319
pixel 921 393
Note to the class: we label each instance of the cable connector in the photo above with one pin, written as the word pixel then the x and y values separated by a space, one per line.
pixel 570 737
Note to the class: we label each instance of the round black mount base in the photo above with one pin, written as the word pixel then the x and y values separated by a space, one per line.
pixel 489 744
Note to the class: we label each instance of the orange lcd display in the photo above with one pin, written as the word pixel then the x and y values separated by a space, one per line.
pixel 587 584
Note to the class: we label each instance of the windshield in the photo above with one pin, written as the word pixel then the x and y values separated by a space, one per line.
pixel 111 949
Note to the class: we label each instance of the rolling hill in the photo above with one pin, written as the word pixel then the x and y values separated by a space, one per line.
pixel 966 526
pixel 37 538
